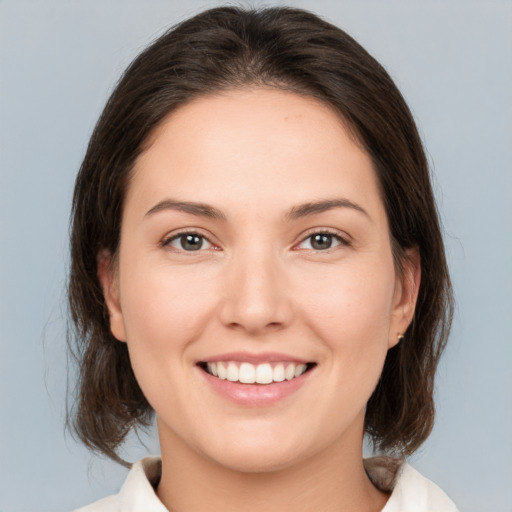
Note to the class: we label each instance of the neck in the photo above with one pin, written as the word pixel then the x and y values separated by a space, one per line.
pixel 333 481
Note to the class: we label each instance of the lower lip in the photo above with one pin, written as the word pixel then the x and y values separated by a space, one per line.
pixel 255 395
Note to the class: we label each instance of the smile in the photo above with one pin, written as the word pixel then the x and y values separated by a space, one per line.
pixel 248 373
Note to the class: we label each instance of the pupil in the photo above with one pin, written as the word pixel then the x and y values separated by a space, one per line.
pixel 320 241
pixel 191 242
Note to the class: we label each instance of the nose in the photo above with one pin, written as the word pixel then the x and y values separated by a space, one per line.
pixel 255 295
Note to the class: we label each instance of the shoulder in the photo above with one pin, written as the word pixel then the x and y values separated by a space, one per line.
pixel 109 504
pixel 410 491
pixel 137 492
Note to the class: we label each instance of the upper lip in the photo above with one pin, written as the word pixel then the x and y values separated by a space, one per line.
pixel 250 357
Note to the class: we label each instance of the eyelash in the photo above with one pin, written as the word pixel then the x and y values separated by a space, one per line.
pixel 325 232
pixel 167 242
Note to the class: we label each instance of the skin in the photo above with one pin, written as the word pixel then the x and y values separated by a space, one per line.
pixel 258 285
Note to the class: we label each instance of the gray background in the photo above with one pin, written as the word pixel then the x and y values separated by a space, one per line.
pixel 58 62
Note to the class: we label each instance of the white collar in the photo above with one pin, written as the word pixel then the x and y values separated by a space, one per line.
pixel 410 491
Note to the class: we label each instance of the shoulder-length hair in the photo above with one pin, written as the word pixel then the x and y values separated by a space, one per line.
pixel 229 48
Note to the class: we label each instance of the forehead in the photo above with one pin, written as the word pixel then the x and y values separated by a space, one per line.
pixel 249 108
pixel 253 145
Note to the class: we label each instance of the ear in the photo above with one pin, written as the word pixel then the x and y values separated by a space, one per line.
pixel 107 276
pixel 406 294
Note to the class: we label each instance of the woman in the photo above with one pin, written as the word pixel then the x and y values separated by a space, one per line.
pixel 257 258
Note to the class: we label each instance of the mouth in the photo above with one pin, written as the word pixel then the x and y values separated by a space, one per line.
pixel 263 373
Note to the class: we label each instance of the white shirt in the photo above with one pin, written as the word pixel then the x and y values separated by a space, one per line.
pixel 410 492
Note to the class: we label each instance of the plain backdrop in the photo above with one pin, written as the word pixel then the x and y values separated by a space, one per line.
pixel 58 62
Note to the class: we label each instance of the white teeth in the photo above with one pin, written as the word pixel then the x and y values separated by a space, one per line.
pixel 300 369
pixel 221 370
pixel 212 368
pixel 290 371
pixel 279 373
pixel 232 373
pixel 264 374
pixel 248 373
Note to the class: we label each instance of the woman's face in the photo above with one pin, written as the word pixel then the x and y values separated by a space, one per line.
pixel 255 246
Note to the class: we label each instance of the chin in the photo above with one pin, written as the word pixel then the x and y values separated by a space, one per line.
pixel 255 452
pixel 256 460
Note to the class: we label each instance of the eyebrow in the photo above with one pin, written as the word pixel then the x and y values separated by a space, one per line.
pixel 199 209
pixel 303 210
pixel 315 207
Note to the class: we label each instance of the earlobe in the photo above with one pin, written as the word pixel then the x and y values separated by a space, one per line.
pixel 107 276
pixel 406 295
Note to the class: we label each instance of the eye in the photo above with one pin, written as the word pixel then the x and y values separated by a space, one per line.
pixel 322 241
pixel 188 242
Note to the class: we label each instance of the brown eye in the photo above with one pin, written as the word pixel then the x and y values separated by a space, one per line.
pixel 322 242
pixel 188 242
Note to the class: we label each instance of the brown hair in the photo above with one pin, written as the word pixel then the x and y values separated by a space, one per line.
pixel 226 48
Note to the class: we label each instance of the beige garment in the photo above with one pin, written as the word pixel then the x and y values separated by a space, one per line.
pixel 410 492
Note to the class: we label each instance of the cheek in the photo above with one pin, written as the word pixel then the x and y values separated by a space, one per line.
pixel 350 299
pixel 164 311
pixel 350 311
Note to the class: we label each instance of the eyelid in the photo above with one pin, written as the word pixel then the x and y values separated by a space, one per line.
pixel 342 237
pixel 174 235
